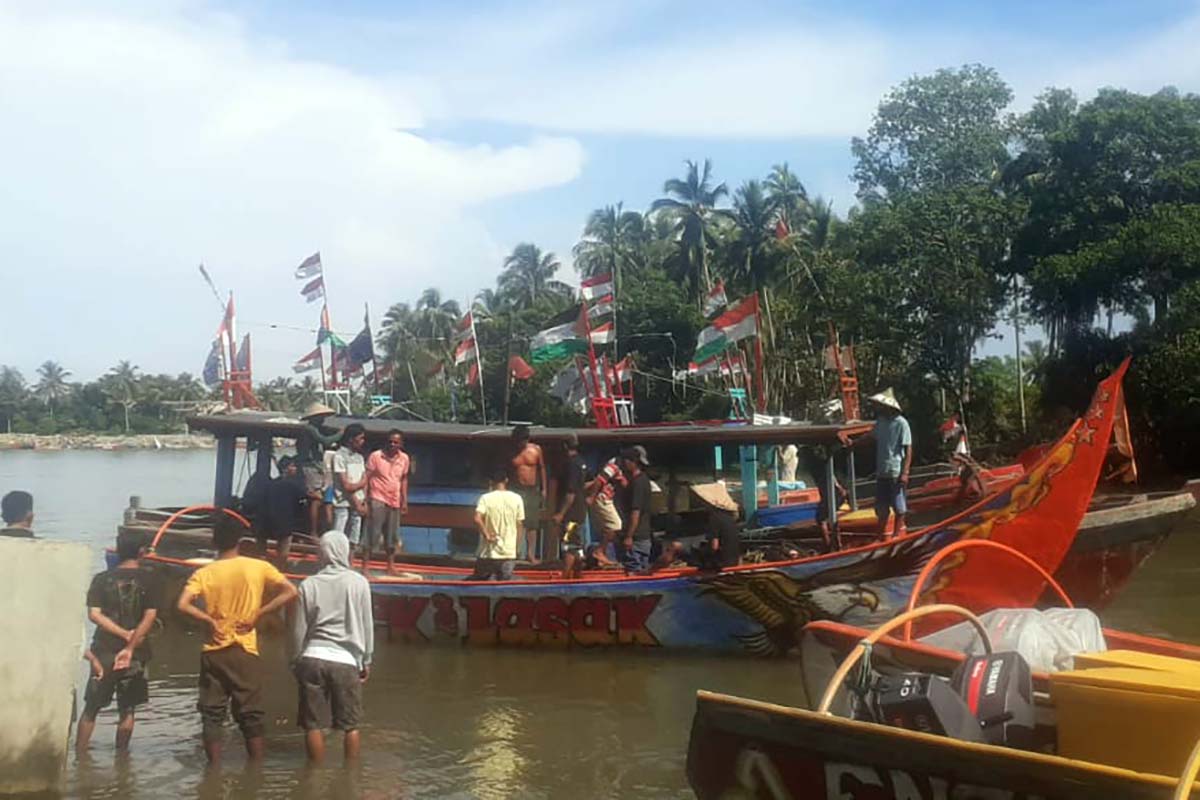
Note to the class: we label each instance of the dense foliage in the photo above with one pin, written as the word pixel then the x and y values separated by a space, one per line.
pixel 1082 219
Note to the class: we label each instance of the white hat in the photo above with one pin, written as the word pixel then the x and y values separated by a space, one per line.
pixel 886 398
pixel 716 495
pixel 317 410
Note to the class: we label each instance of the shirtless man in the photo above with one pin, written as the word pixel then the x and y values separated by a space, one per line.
pixel 529 481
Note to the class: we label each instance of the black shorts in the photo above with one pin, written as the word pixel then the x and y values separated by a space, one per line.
pixel 129 686
pixel 330 695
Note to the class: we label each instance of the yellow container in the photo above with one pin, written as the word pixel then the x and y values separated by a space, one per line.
pixel 1136 660
pixel 1139 718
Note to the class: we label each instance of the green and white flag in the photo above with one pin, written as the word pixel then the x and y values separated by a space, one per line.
pixel 560 341
pixel 739 322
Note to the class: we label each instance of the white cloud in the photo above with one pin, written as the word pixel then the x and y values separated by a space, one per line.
pixel 139 142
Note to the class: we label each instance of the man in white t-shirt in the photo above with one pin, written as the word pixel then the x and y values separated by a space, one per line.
pixel 349 483
pixel 499 516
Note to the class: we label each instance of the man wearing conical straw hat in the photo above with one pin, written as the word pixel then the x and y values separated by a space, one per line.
pixel 893 459
pixel 310 456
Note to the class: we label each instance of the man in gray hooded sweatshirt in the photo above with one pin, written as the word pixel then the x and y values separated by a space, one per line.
pixel 334 637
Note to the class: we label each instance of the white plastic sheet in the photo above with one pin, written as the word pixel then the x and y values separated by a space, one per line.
pixel 1048 640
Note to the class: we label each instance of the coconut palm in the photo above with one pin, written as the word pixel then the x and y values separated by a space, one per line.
pixel 528 276
pixel 437 318
pixel 612 243
pixel 489 304
pixel 52 384
pixel 692 202
pixel 276 394
pixel 304 393
pixel 753 249
pixel 787 195
pixel 121 386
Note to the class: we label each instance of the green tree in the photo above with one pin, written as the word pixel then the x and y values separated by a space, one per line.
pixel 13 392
pixel 940 131
pixel 691 202
pixel 52 384
pixel 121 386
pixel 612 243
pixel 528 276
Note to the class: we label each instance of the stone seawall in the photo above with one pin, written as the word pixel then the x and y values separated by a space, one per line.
pixel 92 441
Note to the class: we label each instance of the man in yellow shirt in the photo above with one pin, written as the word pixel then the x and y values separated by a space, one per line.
pixel 233 588
pixel 499 515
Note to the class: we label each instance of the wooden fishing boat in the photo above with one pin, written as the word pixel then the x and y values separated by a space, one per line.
pixel 750 609
pixel 1118 725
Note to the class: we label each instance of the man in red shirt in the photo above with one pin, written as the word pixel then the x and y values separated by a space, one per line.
pixel 387 488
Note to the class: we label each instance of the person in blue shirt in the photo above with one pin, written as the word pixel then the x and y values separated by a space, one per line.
pixel 893 459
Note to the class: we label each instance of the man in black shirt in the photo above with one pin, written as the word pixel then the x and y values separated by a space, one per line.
pixel 723 544
pixel 17 511
pixel 123 604
pixel 572 506
pixel 637 542
pixel 282 509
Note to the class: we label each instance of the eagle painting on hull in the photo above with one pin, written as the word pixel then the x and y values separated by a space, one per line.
pixel 783 604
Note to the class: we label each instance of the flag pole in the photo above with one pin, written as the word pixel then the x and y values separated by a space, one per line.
pixel 507 369
pixel 229 340
pixel 374 363
pixel 478 368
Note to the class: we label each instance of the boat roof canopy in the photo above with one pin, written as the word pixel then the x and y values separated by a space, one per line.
pixel 260 423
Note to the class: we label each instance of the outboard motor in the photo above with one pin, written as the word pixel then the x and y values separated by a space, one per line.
pixel 989 700
pixel 998 689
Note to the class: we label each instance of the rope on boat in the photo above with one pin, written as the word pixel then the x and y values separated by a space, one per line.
pixel 1183 790
pixel 862 647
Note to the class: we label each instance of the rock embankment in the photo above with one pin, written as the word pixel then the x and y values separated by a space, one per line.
pixel 92 441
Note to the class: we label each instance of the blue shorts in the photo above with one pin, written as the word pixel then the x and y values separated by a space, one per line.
pixel 889 495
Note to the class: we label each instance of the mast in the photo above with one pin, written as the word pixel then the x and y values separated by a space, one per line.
pixel 478 368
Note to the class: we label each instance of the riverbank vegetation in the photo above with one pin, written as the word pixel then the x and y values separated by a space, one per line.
pixel 1078 220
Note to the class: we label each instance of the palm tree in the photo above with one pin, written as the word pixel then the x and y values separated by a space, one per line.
pixel 489 304
pixel 276 395
pixel 692 201
pixel 187 387
pixel 121 385
pixel 612 240
pixel 528 276
pixel 436 319
pixel 755 254
pixel 787 195
pixel 301 394
pixel 52 384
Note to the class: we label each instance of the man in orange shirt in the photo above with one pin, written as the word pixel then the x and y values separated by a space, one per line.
pixel 233 588
pixel 387 489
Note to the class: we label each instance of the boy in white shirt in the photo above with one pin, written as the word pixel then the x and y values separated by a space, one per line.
pixel 499 516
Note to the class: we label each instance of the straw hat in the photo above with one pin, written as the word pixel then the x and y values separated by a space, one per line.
pixel 716 495
pixel 317 410
pixel 886 398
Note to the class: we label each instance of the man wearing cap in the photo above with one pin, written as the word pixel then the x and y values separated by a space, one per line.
pixel 893 458
pixel 310 458
pixel 637 543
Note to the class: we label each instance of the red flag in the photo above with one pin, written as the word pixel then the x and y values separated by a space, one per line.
pixel 464 351
pixel 781 229
pixel 437 368
pixel 473 375
pixel 519 369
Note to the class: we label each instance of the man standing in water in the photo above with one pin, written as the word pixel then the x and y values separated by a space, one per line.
pixel 529 481
pixel 122 604
pixel 893 458
pixel 333 633
pixel 233 588
pixel 387 489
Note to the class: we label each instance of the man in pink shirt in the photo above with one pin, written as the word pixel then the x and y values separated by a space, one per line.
pixel 387 488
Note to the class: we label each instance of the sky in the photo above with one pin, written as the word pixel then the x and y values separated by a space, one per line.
pixel 414 144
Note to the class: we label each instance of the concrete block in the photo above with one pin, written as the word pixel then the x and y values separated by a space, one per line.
pixel 42 628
